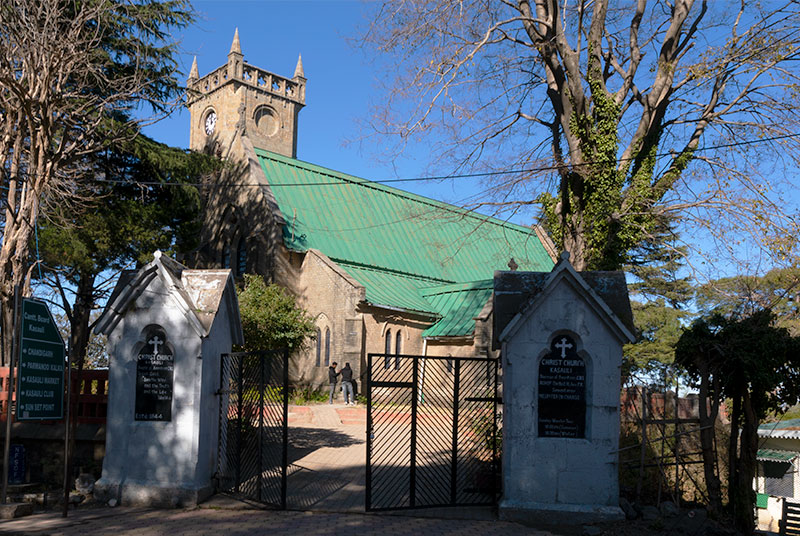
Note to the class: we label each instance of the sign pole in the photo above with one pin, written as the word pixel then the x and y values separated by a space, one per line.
pixel 7 448
pixel 66 439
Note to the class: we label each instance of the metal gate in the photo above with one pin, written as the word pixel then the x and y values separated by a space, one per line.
pixel 253 432
pixel 432 432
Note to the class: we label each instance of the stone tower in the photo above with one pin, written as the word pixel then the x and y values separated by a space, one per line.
pixel 238 100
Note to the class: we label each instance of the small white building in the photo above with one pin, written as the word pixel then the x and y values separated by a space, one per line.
pixel 167 327
pixel 777 472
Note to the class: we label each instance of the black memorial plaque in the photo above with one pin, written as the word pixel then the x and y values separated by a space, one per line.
pixel 154 381
pixel 562 391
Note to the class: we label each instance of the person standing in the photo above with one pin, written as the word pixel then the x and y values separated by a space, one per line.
pixel 347 384
pixel 332 375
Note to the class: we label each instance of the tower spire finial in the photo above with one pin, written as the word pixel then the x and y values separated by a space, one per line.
pixel 236 47
pixel 298 70
pixel 194 74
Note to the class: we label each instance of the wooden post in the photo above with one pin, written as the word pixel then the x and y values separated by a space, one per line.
pixel 644 444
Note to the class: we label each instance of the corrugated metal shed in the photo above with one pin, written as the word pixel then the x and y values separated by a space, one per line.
pixel 396 243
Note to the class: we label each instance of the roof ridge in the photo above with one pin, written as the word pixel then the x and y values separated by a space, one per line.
pixel 360 181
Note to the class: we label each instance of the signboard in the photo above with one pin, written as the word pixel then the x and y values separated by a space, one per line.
pixel 40 388
pixel 155 366
pixel 562 391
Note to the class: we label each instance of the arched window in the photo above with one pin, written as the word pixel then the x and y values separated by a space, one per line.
pixel 226 256
pixel 241 257
pixel 319 347
pixel 327 347
pixel 398 348
pixel 387 363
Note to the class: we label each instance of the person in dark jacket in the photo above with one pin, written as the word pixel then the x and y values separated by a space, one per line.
pixel 332 378
pixel 347 385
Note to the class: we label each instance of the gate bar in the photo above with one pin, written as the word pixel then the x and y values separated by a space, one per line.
pixel 368 490
pixel 239 396
pixel 260 427
pixel 454 450
pixel 413 475
pixel 285 457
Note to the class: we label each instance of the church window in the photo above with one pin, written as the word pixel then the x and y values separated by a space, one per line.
pixel 388 353
pixel 266 120
pixel 327 347
pixel 241 257
pixel 226 256
pixel 319 347
pixel 398 350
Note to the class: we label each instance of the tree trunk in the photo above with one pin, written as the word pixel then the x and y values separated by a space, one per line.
pixel 745 502
pixel 707 422
pixel 78 345
pixel 733 440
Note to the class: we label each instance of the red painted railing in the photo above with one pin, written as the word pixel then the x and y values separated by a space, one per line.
pixel 92 396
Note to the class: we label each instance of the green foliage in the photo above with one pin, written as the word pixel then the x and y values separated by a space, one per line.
pixel 756 365
pixel 271 317
pixel 659 326
pixel 660 315
pixel 126 217
pixel 777 290
pixel 307 394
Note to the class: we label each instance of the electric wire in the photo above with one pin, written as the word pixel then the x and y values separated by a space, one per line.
pixel 366 182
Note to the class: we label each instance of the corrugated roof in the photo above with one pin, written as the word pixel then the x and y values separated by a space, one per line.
pixel 788 429
pixel 389 289
pixel 774 455
pixel 396 243
pixel 458 304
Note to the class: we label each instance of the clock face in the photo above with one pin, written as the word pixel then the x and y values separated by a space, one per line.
pixel 211 123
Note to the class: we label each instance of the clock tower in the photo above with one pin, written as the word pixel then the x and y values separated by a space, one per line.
pixel 238 99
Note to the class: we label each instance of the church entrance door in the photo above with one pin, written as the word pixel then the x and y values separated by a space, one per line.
pixel 253 431
pixel 433 435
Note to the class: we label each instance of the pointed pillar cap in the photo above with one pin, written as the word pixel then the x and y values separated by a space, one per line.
pixel 236 47
pixel 193 74
pixel 298 71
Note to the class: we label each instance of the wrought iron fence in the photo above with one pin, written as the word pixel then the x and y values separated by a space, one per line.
pixel 433 432
pixel 253 432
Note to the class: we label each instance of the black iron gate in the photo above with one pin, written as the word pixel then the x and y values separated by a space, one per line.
pixel 432 432
pixel 253 432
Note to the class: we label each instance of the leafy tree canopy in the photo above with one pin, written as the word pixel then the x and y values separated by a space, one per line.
pixel 271 317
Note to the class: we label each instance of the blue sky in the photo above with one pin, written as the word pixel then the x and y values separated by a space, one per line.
pixel 341 81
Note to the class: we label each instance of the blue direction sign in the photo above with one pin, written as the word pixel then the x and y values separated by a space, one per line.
pixel 40 387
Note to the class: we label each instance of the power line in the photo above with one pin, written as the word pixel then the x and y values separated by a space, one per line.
pixel 367 182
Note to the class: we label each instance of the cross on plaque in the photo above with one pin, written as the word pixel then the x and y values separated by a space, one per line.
pixel 156 342
pixel 563 346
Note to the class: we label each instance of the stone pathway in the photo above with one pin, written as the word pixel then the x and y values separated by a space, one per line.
pixel 216 522
pixel 327 455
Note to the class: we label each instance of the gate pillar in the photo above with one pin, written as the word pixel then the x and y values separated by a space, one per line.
pixel 561 335
pixel 166 327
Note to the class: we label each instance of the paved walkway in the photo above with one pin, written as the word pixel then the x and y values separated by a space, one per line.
pixel 327 458
pixel 213 522
pixel 325 495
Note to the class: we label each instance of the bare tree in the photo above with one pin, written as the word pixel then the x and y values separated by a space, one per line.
pixel 613 117
pixel 71 73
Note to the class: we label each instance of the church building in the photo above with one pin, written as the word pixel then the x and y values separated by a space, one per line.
pixel 379 270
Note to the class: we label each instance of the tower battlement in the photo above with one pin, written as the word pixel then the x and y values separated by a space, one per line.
pixel 239 99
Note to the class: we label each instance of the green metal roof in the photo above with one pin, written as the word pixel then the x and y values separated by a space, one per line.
pixel 389 289
pixel 773 455
pixel 396 243
pixel 458 304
